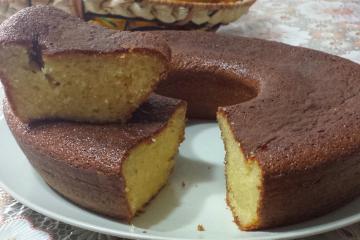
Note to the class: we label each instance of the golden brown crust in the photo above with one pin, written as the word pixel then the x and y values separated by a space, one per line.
pixel 70 140
pixel 295 197
pixel 57 32
pixel 289 101
pixel 83 161
pixel 87 188
pixel 300 121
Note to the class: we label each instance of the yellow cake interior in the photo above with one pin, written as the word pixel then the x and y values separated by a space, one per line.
pixel 148 166
pixel 110 85
pixel 243 179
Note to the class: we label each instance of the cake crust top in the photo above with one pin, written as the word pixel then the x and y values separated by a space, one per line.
pixel 99 147
pixel 306 111
pixel 55 31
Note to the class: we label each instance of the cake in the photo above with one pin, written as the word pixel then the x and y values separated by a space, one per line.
pixel 55 66
pixel 113 169
pixel 289 118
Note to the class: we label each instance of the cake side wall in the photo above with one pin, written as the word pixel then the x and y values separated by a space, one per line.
pixel 298 196
pixel 87 188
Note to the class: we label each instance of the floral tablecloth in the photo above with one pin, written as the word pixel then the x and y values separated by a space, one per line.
pixel 328 25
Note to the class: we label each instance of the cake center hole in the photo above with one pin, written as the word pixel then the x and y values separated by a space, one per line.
pixel 205 91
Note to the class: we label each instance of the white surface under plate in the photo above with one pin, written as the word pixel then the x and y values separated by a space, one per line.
pixel 176 212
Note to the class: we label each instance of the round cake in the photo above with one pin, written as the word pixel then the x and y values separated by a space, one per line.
pixel 289 120
pixel 105 167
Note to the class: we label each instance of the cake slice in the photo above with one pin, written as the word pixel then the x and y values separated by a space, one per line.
pixel 113 169
pixel 55 66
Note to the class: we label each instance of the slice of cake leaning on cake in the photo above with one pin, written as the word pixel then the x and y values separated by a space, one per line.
pixel 65 82
pixel 53 65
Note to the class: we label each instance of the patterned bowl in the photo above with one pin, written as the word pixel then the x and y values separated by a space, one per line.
pixel 163 14
pixel 144 14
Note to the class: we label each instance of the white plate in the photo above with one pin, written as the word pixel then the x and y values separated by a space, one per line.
pixel 176 212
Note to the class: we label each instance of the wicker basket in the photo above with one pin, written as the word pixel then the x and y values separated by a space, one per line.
pixel 144 14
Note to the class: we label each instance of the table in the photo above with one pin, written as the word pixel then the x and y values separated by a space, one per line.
pixel 331 26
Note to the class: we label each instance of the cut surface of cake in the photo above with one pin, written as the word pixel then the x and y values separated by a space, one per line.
pixel 113 169
pixel 54 65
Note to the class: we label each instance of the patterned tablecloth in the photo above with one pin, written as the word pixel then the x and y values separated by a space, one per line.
pixel 328 25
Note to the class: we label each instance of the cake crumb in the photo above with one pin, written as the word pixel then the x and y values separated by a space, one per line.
pixel 200 228
pixel 183 184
